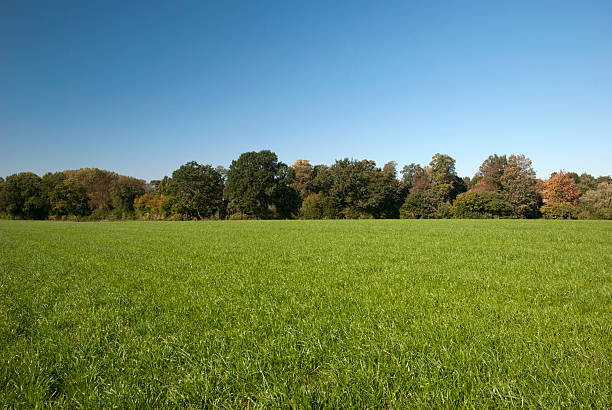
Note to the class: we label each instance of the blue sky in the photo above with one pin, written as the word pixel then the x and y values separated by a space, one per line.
pixel 143 87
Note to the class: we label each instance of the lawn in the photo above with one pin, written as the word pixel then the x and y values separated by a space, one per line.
pixel 386 313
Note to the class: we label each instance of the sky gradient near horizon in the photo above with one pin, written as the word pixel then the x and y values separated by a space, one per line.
pixel 140 88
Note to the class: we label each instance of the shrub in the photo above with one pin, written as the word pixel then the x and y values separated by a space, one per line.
pixel 597 204
pixel 313 207
pixel 563 210
pixel 484 204
pixel 418 206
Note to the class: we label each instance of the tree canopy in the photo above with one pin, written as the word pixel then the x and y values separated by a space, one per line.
pixel 258 185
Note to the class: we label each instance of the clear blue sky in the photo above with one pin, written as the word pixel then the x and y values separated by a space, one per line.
pixel 143 87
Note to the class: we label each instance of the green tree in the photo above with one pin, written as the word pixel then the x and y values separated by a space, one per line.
pixel 359 189
pixel 69 198
pixel 97 183
pixel 22 197
pixel 313 206
pixel 476 204
pixel 197 190
pixel 597 203
pixel 286 201
pixel 489 175
pixel 418 205
pixel 415 178
pixel 520 187
pixel 258 185
pixel 124 190
pixel 386 193
pixel 444 185
pixel 559 210
pixel 152 206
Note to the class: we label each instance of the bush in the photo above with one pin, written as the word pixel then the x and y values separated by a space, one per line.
pixel 597 204
pixel 485 204
pixel 313 207
pixel 418 206
pixel 563 210
pixel 444 212
pixel 319 206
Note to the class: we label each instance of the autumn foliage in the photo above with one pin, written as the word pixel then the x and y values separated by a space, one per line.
pixel 561 188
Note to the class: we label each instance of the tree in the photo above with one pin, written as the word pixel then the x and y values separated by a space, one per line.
pixel 359 189
pixel 21 197
pixel 489 175
pixel 313 206
pixel 255 182
pixel 69 198
pixel 520 187
pixel 559 210
pixel 152 205
pixel 322 180
pixel 444 185
pixel 302 175
pixel 386 193
pixel 415 178
pixel 285 199
pixel 597 203
pixel 560 188
pixel 485 204
pixel 418 205
pixel 124 190
pixel 97 183
pixel 197 190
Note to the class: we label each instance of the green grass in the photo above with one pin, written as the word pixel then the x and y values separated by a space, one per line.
pixel 310 314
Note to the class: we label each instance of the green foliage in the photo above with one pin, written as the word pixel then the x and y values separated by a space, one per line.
pixel 196 191
pixel 358 189
pixel 68 198
pixel 559 210
pixel 258 186
pixel 587 182
pixel 256 181
pixel 520 187
pixel 444 184
pixel 152 206
pixel 307 314
pixel 481 204
pixel 312 206
pixel 597 204
pixel 415 178
pixel 418 206
pixel 124 190
pixel 22 197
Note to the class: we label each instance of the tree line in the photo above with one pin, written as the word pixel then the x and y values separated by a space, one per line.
pixel 259 186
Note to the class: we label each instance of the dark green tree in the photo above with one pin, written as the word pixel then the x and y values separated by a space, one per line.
pixel 69 198
pixel 258 186
pixel 476 204
pixel 444 185
pixel 386 193
pixel 197 190
pixel 22 197
pixel 418 205
pixel 124 190
pixel 489 175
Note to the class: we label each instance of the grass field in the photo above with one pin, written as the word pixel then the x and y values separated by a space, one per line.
pixel 323 313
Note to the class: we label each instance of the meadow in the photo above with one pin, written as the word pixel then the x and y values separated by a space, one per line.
pixel 386 313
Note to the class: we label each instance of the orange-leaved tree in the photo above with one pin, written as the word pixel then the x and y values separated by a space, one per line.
pixel 561 188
